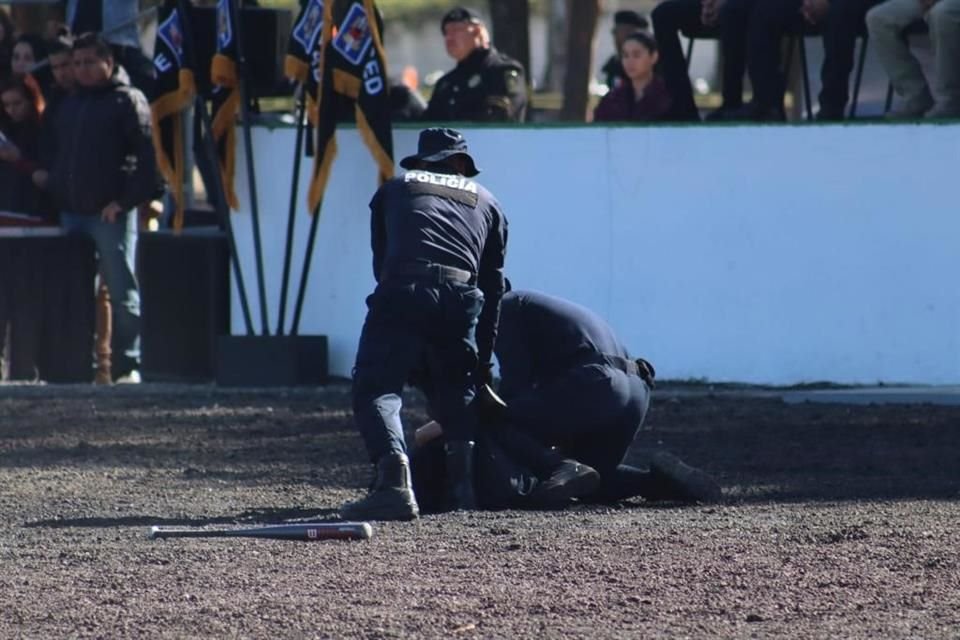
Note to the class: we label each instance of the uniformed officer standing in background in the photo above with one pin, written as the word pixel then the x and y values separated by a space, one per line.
pixel 439 241
pixel 486 85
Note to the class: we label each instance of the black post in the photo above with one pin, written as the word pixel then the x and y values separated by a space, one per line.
pixel 251 177
pixel 307 257
pixel 292 213
pixel 200 108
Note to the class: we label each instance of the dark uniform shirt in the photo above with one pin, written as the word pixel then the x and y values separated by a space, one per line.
pixel 540 336
pixel 444 219
pixel 485 86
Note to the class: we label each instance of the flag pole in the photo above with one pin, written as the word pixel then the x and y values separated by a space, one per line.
pixel 304 274
pixel 251 177
pixel 292 213
pixel 221 199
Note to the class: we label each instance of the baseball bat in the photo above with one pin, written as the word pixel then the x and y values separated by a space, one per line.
pixel 306 531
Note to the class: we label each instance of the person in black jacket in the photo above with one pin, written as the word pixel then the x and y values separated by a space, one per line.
pixel 485 86
pixel 439 240
pixel 102 166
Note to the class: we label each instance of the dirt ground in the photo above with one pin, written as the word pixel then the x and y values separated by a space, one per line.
pixel 838 522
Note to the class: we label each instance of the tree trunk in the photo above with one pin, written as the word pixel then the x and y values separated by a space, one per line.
pixel 556 46
pixel 582 21
pixel 511 29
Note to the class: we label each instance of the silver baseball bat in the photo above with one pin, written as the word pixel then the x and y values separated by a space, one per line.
pixel 306 531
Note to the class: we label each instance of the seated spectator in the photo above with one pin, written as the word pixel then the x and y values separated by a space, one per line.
pixel 624 23
pixel 842 22
pixel 886 24
pixel 670 17
pixel 643 96
pixel 486 85
pixel 762 25
pixel 19 150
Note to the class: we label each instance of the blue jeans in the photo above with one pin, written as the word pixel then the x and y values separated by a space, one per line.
pixel 408 326
pixel 116 244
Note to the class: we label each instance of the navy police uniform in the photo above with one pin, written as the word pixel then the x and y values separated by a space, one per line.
pixel 486 86
pixel 439 242
pixel 575 400
pixel 568 380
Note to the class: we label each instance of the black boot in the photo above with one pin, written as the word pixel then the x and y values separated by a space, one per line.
pixel 560 479
pixel 391 496
pixel 460 474
pixel 676 480
pixel 569 479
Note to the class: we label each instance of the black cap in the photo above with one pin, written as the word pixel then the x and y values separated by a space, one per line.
pixel 630 18
pixel 460 14
pixel 437 144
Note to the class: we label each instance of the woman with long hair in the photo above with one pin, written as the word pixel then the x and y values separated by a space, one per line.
pixel 642 96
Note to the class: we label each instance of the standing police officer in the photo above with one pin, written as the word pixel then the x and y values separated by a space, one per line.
pixel 439 241
pixel 485 86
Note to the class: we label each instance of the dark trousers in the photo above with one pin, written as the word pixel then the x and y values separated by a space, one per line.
pixel 733 23
pixel 407 324
pixel 843 24
pixel 592 413
pixel 768 22
pixel 669 19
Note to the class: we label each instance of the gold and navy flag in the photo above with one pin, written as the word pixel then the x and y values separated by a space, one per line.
pixel 302 46
pixel 226 98
pixel 175 90
pixel 354 71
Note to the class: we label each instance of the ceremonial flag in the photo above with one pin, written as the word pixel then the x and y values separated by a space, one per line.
pixel 302 46
pixel 354 70
pixel 175 91
pixel 226 97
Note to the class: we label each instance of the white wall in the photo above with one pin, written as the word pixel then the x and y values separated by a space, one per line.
pixel 771 255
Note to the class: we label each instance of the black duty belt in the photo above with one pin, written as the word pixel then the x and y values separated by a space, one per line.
pixel 431 273
pixel 638 367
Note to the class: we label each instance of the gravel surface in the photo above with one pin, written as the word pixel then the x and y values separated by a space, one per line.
pixel 837 522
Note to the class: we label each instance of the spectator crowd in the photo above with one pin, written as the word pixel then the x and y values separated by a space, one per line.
pixel 75 128
pixel 76 149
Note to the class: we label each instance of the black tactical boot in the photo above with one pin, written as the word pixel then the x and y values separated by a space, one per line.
pixel 460 474
pixel 560 479
pixel 675 480
pixel 391 496
pixel 569 479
